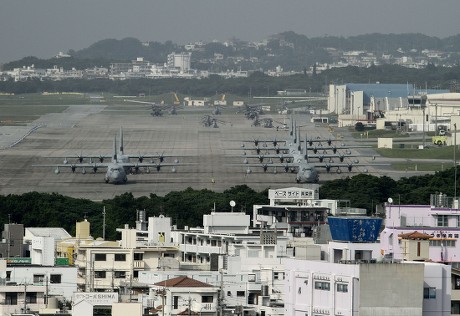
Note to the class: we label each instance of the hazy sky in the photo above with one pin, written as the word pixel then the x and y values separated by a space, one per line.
pixel 42 28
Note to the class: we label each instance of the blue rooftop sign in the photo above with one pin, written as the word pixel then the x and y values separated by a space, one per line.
pixel 355 229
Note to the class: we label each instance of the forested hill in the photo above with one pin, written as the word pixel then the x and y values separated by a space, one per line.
pixel 283 48
pixel 187 207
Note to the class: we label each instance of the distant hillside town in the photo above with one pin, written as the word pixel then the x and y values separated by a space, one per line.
pixel 280 55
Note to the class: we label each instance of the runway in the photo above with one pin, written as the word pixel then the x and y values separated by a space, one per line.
pixel 207 153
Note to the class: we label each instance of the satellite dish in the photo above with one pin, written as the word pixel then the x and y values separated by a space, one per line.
pixel 390 200
pixel 232 203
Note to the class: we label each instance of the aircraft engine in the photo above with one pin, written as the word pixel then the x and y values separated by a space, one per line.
pixel 94 169
pixel 265 167
pixel 245 161
pixel 147 170
pixel 248 171
pixel 83 171
pixel 339 171
pixel 328 168
pixel 274 171
pixel 73 168
pixel 356 161
pixel 350 167
pixel 341 158
pixel 65 161
pixel 176 160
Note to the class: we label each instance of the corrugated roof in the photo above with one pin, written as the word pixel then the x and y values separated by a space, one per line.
pixel 182 282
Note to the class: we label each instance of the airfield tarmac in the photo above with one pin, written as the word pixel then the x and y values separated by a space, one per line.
pixel 206 155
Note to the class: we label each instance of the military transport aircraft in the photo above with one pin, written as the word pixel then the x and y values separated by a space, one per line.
pixel 294 157
pixel 158 108
pixel 119 167
pixel 120 154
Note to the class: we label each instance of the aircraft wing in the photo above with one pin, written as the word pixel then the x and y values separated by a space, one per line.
pixel 96 166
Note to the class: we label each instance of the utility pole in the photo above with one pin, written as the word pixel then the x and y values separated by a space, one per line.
pixel 25 297
pixel 455 161
pixel 103 223
pixel 46 291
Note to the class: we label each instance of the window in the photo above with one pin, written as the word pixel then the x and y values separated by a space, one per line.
pixel 175 302
pixel 99 257
pixel 135 274
pixel 429 293
pixel 342 288
pixel 99 274
pixel 278 275
pixel 120 257
pixel 8 275
pixel 39 278
pixel 325 286
pixel 11 298
pixel 31 297
pixel 457 283
pixel 442 220
pixel 138 256
pixel 120 274
pixel 207 299
pixel 55 278
pixel 240 293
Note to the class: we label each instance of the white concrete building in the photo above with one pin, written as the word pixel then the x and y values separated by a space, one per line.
pixel 181 61
pixel 184 296
pixel 42 243
pixel 321 288
pixel 60 281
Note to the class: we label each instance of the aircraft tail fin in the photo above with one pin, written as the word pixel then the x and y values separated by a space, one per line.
pixel 121 141
pixel 114 157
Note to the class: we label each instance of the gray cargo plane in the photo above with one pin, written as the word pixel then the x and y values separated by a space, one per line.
pixel 158 108
pixel 119 167
pixel 295 158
